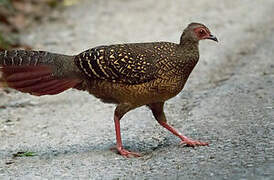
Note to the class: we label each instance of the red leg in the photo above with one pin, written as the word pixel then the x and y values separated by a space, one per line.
pixel 158 112
pixel 119 145
pixel 185 140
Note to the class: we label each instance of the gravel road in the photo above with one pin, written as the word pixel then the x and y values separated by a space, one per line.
pixel 227 101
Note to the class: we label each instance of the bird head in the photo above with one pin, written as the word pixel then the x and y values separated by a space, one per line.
pixel 197 32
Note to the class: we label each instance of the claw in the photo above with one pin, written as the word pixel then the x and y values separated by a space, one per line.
pixel 192 143
pixel 127 153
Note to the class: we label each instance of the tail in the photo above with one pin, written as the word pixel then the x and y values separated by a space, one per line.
pixel 37 72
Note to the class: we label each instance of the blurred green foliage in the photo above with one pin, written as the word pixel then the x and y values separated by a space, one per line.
pixel 4 44
pixel 14 17
pixel 6 4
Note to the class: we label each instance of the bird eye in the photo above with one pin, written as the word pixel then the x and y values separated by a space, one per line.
pixel 202 32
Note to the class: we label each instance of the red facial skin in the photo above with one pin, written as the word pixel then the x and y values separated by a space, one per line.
pixel 202 33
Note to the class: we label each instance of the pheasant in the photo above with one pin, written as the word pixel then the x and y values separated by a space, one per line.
pixel 129 75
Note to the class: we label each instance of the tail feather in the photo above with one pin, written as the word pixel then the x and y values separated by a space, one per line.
pixel 36 72
pixel 58 88
pixel 36 87
pixel 25 73
pixel 24 83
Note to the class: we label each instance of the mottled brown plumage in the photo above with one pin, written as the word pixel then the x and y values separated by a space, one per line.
pixel 130 75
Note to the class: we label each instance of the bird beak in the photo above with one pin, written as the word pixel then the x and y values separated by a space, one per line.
pixel 212 37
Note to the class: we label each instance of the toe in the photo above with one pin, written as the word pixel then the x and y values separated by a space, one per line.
pixel 128 154
pixel 193 143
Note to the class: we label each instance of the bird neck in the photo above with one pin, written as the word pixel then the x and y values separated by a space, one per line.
pixel 188 51
pixel 186 42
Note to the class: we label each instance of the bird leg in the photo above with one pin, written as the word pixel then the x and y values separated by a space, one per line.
pixel 158 112
pixel 185 140
pixel 121 110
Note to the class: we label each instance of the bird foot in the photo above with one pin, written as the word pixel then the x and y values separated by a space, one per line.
pixel 193 143
pixel 126 153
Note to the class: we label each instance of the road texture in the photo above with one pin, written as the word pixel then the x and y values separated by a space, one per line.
pixel 227 101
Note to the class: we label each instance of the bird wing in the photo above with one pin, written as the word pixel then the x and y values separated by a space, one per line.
pixel 125 63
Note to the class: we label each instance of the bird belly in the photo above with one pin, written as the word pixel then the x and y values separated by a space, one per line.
pixel 154 91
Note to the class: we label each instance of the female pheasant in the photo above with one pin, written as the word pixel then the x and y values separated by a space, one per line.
pixel 129 75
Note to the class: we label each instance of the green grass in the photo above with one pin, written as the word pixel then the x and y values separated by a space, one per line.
pixel 24 154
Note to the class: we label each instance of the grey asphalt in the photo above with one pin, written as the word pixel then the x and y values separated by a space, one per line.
pixel 228 100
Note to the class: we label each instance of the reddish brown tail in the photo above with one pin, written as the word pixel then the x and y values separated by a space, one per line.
pixel 36 72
